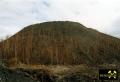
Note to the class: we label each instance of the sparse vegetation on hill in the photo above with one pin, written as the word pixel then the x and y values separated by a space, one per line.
pixel 60 43
pixel 57 52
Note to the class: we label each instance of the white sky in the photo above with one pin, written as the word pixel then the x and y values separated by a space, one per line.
pixel 103 15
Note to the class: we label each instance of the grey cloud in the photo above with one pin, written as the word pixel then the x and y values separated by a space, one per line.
pixel 46 3
pixel 17 14
pixel 115 28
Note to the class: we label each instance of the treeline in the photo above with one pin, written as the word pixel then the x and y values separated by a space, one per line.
pixel 62 43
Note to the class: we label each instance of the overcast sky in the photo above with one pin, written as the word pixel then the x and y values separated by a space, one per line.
pixel 103 15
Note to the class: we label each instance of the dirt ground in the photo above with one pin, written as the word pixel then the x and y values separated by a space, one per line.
pixel 41 73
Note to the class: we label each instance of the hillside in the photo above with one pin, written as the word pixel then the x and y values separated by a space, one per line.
pixel 61 43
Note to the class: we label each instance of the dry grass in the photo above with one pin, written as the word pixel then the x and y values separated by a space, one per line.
pixel 60 70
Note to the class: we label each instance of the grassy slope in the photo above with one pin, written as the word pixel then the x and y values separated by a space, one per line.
pixel 63 43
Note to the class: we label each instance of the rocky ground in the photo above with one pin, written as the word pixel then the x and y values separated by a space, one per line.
pixel 80 73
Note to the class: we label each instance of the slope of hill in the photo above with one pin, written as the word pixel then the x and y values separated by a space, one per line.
pixel 61 43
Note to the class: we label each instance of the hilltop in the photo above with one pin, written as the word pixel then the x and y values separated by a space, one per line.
pixel 60 43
